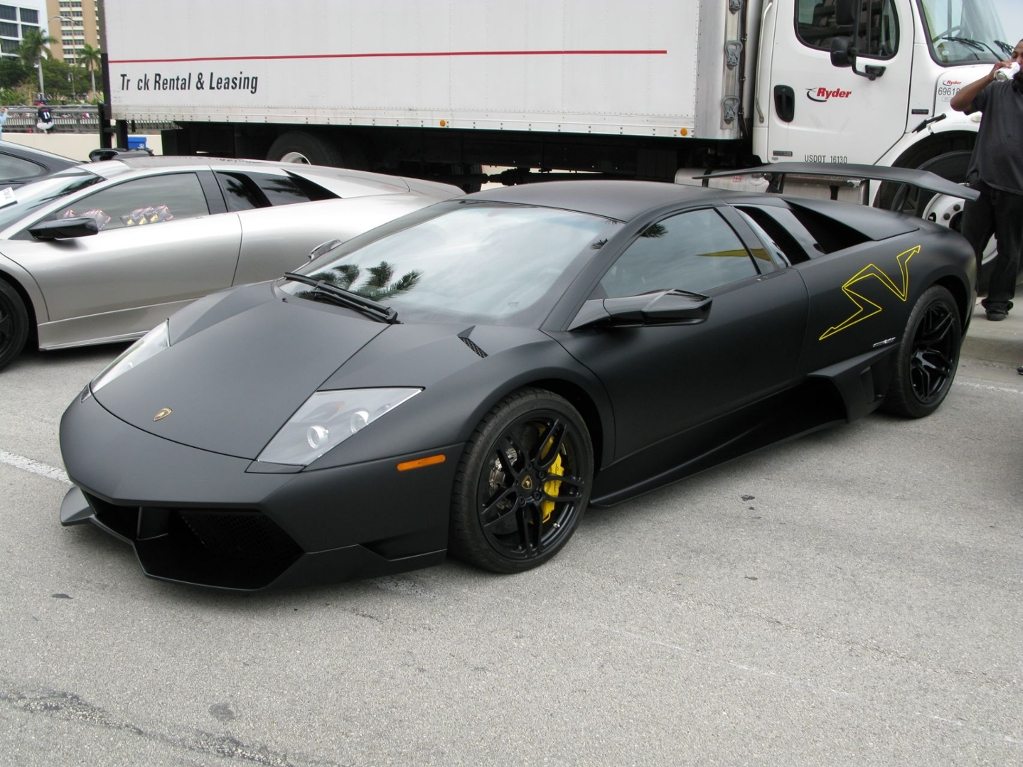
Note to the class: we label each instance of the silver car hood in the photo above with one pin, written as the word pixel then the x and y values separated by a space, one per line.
pixel 239 366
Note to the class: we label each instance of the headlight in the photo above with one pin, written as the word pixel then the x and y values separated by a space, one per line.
pixel 156 340
pixel 327 419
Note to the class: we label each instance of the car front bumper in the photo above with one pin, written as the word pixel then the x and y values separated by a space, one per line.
pixel 208 519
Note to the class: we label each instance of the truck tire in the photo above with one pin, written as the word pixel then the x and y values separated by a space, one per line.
pixel 945 210
pixel 309 149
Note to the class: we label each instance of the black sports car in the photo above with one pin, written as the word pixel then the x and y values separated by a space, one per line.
pixel 470 377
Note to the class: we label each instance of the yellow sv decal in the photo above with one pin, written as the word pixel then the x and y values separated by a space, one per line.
pixel 865 308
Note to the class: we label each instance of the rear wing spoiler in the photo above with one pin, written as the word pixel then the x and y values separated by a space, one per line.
pixel 775 173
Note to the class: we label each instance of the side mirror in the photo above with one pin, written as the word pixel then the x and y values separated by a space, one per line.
pixel 323 247
pixel 843 53
pixel 666 307
pixel 65 228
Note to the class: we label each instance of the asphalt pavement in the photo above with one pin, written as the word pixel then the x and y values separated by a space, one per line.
pixel 849 598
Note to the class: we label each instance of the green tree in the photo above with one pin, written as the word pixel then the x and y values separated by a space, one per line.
pixel 12 73
pixel 89 57
pixel 34 45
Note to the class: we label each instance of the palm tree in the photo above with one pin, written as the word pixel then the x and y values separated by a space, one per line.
pixel 89 57
pixel 33 46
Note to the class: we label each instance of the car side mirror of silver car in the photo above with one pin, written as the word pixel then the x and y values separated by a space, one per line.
pixel 65 228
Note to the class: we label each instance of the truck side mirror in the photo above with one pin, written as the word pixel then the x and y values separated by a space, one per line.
pixel 843 54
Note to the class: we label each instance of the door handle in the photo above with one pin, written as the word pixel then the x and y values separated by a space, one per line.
pixel 784 103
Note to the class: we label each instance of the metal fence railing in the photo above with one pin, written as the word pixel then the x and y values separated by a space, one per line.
pixel 71 119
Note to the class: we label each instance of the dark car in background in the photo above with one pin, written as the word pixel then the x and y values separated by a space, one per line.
pixel 23 164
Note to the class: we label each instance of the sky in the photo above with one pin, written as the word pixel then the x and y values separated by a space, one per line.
pixel 1012 18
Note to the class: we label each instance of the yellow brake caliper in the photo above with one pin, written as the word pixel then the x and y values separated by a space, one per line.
pixel 551 486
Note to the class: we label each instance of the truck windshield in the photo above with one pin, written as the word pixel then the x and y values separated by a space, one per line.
pixel 964 32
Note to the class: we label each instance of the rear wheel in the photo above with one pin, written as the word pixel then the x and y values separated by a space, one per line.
pixel 523 483
pixel 928 356
pixel 13 324
pixel 309 149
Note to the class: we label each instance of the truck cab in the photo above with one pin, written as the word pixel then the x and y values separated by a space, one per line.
pixel 869 81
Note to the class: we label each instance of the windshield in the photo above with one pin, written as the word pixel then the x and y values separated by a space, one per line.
pixel 466 261
pixel 964 32
pixel 39 193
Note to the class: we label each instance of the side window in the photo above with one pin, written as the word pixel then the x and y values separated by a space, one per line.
pixel 818 22
pixel 144 201
pixel 15 167
pixel 241 192
pixel 695 251
pixel 287 190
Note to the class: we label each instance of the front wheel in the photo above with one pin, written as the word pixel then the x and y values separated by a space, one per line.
pixel 523 483
pixel 928 356
pixel 13 324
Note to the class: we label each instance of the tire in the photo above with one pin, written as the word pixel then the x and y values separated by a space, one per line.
pixel 13 324
pixel 942 209
pixel 952 166
pixel 928 356
pixel 516 504
pixel 309 149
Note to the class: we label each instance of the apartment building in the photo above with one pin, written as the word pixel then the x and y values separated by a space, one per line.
pixel 73 24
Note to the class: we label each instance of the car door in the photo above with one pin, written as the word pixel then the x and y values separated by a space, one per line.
pixel 282 217
pixel 817 112
pixel 278 233
pixel 158 248
pixel 664 379
pixel 859 273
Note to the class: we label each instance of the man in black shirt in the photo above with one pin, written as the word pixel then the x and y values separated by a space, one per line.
pixel 996 170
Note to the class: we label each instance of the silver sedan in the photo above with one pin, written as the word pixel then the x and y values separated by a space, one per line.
pixel 104 251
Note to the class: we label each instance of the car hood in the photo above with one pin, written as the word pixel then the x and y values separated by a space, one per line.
pixel 239 365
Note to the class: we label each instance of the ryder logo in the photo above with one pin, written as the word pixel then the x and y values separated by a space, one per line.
pixel 821 95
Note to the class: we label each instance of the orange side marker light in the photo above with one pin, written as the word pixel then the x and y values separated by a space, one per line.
pixel 419 463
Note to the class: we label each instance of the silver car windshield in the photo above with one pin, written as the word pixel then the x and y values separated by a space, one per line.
pixel 32 196
pixel 964 32
pixel 470 261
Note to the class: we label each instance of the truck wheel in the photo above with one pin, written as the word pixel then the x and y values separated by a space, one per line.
pixel 13 324
pixel 308 149
pixel 942 208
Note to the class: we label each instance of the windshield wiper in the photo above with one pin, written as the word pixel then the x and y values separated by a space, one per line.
pixel 969 42
pixel 347 298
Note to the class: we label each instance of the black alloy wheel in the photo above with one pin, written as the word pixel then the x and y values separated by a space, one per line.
pixel 13 324
pixel 523 483
pixel 928 356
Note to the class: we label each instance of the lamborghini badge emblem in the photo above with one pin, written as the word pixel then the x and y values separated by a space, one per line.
pixel 527 483
pixel 162 413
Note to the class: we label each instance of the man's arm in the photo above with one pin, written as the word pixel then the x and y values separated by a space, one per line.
pixel 963 100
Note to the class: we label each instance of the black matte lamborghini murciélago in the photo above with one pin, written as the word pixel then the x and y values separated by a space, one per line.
pixel 470 377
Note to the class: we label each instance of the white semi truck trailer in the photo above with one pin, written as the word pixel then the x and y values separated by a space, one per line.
pixel 654 89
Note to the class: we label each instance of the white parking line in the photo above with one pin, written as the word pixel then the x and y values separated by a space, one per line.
pixel 989 387
pixel 34 467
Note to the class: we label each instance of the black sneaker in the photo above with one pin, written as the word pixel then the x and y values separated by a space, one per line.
pixel 996 315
